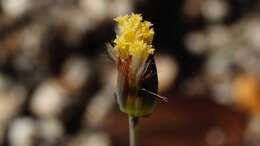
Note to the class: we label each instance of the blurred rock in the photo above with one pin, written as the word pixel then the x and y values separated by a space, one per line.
pixel 76 72
pixel 49 99
pixel 223 92
pixel 90 139
pixel 218 36
pixel 217 67
pixel 99 107
pixel 167 70
pixel 15 8
pixel 32 39
pixel 12 98
pixel 214 10
pixel 97 9
pixel 73 23
pixel 23 132
pixel 51 131
pixel 252 32
pixel 120 7
pixel 196 42
pixel 247 60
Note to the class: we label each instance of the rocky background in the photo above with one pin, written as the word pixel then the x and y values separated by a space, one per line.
pixel 57 82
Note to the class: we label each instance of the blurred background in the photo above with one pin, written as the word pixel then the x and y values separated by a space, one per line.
pixel 57 82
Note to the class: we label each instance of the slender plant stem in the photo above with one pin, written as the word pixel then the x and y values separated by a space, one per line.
pixel 133 130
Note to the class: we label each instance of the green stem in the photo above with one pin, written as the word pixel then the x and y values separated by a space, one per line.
pixel 133 130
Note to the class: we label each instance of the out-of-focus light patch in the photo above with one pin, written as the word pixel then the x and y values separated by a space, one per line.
pixel 75 73
pixel 29 53
pixel 247 60
pixel 51 130
pixel 49 99
pixel 23 132
pixel 31 40
pixel 216 137
pixel 196 42
pixel 12 97
pixel 100 10
pixel 99 139
pixel 8 106
pixel 223 93
pixel 218 66
pixel 246 90
pixel 90 139
pixel 80 22
pixel 120 7
pixel 167 70
pixel 252 33
pixel 15 8
pixel 77 23
pixel 218 37
pixel 214 10
pixel 96 8
pixel 98 108
pixel 215 38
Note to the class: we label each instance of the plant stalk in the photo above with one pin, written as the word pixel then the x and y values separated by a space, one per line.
pixel 133 130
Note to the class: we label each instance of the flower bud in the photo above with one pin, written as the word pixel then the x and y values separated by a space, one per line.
pixel 137 82
pixel 134 99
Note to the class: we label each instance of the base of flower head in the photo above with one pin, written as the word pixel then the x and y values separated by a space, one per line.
pixel 138 107
pixel 134 100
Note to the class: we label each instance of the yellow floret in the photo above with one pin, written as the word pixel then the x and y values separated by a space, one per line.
pixel 134 37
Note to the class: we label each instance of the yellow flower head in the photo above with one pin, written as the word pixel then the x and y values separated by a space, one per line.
pixel 134 37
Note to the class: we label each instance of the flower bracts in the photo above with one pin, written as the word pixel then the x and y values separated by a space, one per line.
pixel 136 67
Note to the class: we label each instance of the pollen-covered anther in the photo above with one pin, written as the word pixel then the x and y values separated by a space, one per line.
pixel 134 37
